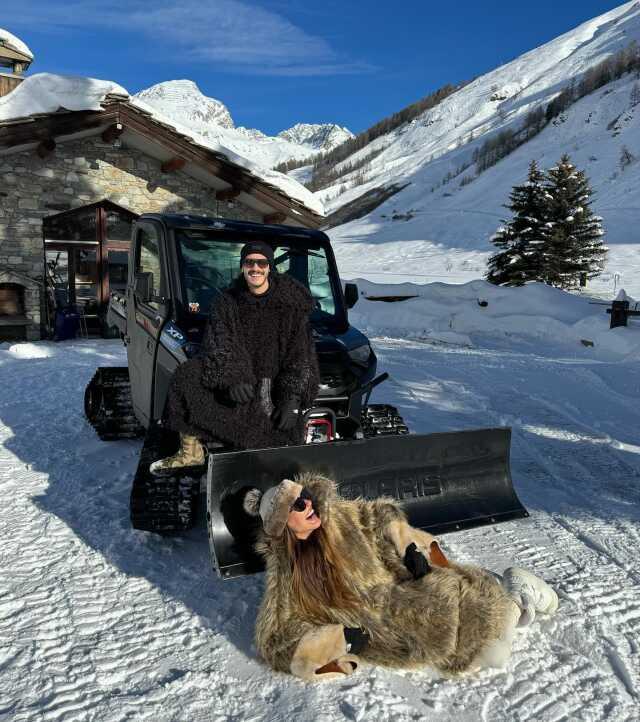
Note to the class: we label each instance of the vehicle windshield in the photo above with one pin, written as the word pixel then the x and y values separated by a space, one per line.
pixel 208 265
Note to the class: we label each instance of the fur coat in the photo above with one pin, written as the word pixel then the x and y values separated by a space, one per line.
pixel 446 620
pixel 264 341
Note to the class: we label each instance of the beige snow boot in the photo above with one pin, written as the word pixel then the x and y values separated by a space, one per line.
pixel 191 454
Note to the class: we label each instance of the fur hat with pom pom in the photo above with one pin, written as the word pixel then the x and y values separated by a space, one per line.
pixel 273 506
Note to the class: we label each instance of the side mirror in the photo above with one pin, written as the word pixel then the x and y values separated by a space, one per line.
pixel 143 286
pixel 351 294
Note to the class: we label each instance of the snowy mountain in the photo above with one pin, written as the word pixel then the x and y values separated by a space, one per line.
pixel 438 226
pixel 320 137
pixel 183 102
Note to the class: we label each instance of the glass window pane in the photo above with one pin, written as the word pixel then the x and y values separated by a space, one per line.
pixel 58 276
pixel 118 226
pixel 86 279
pixel 311 268
pixel 118 262
pixel 207 266
pixel 149 260
pixel 77 226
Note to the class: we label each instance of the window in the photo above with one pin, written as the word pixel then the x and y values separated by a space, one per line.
pixel 210 264
pixel 86 279
pixel 79 225
pixel 148 259
pixel 118 262
pixel 58 276
pixel 311 268
pixel 118 225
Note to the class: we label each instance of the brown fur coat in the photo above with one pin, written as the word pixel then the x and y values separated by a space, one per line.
pixel 444 620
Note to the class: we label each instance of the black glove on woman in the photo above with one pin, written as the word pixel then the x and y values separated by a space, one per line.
pixel 241 393
pixel 357 639
pixel 285 415
pixel 416 562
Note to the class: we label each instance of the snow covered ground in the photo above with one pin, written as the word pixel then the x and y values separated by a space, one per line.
pixel 100 622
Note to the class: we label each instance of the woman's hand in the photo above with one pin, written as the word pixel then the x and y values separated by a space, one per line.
pixel 416 562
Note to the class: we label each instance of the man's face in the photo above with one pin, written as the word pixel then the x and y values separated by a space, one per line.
pixel 255 269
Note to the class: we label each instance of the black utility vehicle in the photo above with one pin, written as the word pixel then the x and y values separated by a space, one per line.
pixel 178 263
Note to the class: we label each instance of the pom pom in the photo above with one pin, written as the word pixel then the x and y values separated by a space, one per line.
pixel 251 502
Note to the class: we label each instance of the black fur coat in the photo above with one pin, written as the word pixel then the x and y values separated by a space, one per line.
pixel 264 341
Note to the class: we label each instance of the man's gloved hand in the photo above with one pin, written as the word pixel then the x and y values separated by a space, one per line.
pixel 416 562
pixel 241 393
pixel 357 639
pixel 285 415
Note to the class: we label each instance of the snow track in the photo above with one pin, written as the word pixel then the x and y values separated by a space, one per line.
pixel 100 622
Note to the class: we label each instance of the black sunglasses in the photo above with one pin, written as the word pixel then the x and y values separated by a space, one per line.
pixel 300 504
pixel 251 262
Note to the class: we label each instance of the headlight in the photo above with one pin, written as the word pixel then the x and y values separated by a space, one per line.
pixel 360 354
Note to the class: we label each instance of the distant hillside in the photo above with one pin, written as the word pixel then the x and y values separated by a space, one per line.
pixel 458 160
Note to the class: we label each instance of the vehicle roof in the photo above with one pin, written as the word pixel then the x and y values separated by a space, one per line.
pixel 195 222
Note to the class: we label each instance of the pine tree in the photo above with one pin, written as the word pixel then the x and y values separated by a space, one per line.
pixel 574 248
pixel 522 240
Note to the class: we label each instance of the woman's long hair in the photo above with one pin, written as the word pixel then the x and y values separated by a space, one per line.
pixel 318 575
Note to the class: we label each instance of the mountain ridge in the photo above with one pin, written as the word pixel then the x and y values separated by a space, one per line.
pixel 184 102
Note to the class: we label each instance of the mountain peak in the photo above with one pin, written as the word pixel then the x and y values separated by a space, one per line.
pixel 318 136
pixel 183 101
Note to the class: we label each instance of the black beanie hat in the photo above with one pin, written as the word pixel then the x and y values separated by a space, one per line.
pixel 257 247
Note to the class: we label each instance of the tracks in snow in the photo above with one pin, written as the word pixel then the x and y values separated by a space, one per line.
pixel 583 489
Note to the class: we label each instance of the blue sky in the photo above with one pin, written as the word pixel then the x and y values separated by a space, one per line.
pixel 276 63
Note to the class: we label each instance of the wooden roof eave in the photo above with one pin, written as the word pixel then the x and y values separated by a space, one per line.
pixel 145 124
pixel 8 51
pixel 34 128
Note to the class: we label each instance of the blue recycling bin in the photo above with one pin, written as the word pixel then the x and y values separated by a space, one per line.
pixel 67 322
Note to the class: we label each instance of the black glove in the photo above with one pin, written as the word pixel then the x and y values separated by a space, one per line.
pixel 357 639
pixel 241 393
pixel 285 415
pixel 416 562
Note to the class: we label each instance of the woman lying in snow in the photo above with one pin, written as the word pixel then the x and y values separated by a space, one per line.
pixel 352 579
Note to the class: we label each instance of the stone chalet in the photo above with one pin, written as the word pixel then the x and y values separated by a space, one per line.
pixel 71 182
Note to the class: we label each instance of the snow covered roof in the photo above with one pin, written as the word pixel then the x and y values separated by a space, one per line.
pixel 10 41
pixel 45 93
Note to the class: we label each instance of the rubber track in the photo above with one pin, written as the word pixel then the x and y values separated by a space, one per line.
pixel 382 419
pixel 108 405
pixel 165 505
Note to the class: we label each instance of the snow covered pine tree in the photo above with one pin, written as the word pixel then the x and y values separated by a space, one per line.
pixel 574 249
pixel 523 239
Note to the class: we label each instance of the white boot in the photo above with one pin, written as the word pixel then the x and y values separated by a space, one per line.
pixel 530 593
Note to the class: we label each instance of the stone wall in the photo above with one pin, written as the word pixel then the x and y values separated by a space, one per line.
pixel 78 173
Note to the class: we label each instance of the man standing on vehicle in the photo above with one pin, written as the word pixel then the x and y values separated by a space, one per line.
pixel 258 370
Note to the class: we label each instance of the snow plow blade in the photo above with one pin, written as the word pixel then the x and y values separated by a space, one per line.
pixel 445 482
